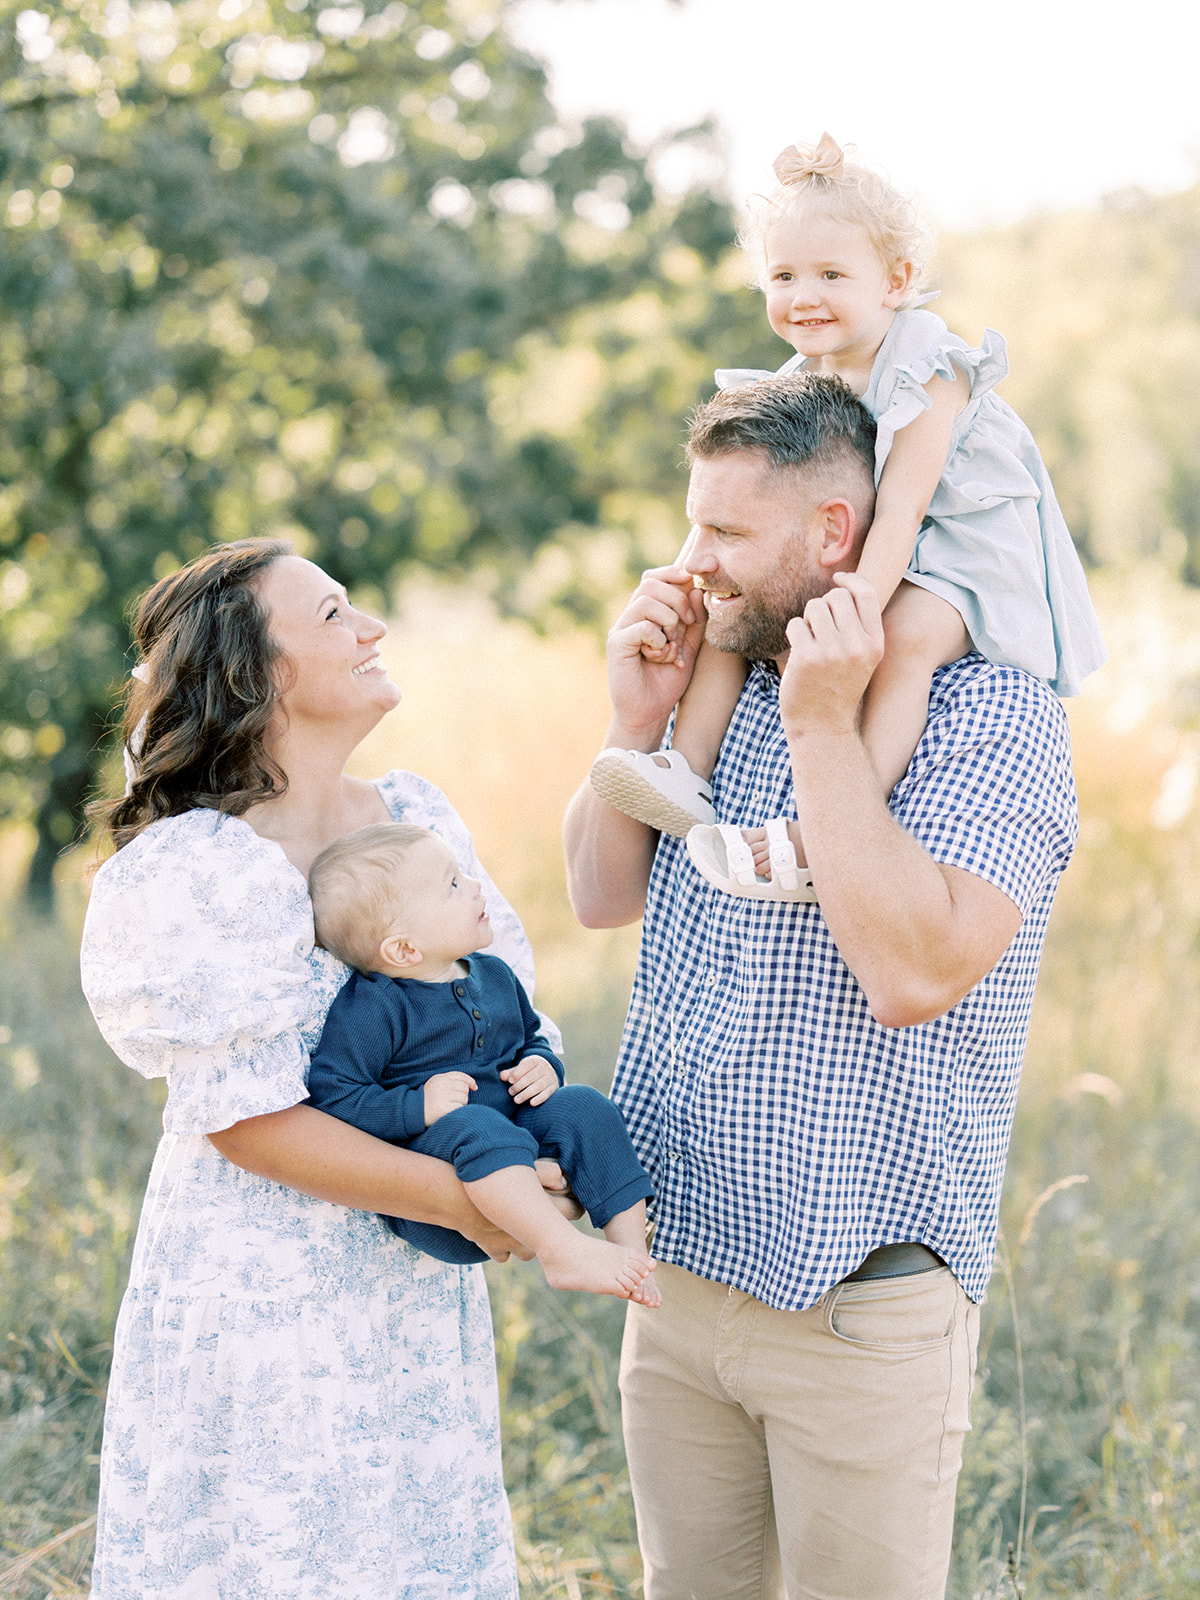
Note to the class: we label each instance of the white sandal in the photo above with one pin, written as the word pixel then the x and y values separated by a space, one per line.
pixel 660 790
pixel 722 856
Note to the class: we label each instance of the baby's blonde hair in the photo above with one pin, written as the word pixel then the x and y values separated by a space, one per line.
pixel 357 891
pixel 852 192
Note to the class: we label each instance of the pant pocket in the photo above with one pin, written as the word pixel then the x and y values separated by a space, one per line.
pixel 910 1313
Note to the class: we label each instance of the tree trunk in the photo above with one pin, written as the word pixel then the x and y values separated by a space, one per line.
pixel 62 817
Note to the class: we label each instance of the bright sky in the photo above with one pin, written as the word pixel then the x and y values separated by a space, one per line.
pixel 987 110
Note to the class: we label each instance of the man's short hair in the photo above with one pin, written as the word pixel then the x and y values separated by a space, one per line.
pixel 357 889
pixel 800 420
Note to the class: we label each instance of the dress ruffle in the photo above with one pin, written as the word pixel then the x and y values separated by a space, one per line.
pixel 994 543
pixel 984 367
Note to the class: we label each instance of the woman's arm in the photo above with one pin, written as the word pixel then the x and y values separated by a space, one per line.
pixel 305 1149
pixel 911 473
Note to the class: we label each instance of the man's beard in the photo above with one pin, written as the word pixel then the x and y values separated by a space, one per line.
pixel 759 630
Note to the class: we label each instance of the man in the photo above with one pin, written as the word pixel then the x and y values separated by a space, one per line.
pixel 822 1094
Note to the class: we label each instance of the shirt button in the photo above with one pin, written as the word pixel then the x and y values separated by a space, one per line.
pixel 710 979
pixel 673 1155
pixel 757 795
pixel 476 1013
pixel 479 1042
pixel 460 991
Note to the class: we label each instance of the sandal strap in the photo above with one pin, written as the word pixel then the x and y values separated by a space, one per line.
pixel 737 854
pixel 785 869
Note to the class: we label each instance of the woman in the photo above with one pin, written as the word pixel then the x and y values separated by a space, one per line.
pixel 302 1406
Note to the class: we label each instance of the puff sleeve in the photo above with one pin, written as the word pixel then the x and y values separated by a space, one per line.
pixel 199 965
pixel 920 348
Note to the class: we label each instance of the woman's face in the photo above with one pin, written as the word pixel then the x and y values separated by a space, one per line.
pixel 331 671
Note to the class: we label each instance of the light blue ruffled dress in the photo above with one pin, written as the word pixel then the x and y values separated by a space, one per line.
pixel 994 543
pixel 302 1405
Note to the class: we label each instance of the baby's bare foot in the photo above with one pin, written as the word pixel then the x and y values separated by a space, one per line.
pixel 647 1292
pixel 597 1267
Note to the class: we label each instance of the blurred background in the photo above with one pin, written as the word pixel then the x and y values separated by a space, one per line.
pixel 428 288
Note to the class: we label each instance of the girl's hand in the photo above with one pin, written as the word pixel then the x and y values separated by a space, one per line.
pixel 532 1081
pixel 445 1093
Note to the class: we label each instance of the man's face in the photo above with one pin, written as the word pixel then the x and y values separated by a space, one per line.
pixel 753 548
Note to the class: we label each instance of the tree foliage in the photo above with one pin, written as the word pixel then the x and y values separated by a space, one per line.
pixel 264 268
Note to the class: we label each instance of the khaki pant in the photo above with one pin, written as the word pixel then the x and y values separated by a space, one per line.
pixel 808 1454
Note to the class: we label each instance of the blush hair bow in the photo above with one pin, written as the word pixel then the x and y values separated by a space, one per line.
pixel 794 165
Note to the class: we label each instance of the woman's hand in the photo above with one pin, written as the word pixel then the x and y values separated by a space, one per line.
pixel 498 1244
pixel 554 1182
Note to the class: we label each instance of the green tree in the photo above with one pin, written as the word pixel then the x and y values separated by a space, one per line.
pixel 261 270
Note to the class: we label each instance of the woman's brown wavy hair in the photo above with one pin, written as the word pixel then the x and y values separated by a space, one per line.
pixel 198 722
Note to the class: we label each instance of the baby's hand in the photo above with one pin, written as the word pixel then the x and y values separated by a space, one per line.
pixel 532 1081
pixel 445 1093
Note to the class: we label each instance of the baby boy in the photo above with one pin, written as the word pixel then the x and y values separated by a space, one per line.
pixel 436 1047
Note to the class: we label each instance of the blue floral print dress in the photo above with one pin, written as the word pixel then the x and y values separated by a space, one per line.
pixel 302 1405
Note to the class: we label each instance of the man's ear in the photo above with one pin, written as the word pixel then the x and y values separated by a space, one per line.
pixel 838 532
pixel 397 951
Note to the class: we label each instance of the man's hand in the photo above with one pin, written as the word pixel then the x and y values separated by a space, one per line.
pixel 446 1092
pixel 834 649
pixel 652 649
pixel 531 1081
pixel 609 855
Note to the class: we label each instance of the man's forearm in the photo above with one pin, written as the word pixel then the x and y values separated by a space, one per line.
pixel 609 855
pixel 915 934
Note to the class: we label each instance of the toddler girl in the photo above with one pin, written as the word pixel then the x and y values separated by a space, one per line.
pixel 968 549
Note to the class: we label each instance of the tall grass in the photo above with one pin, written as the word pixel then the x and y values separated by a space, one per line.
pixel 1081 1478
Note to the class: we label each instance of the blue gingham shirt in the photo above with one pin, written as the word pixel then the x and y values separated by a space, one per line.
pixel 786 1132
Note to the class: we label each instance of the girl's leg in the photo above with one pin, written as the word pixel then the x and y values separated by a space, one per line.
pixel 669 790
pixel 922 632
pixel 513 1198
pixel 707 705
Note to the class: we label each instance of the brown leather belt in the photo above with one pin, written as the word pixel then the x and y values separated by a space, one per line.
pixel 896 1261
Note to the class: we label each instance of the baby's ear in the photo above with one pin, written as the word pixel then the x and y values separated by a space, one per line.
pixel 397 951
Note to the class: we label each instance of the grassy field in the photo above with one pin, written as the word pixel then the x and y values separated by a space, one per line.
pixel 1081 1478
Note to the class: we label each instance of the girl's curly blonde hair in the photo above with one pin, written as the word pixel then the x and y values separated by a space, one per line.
pixel 852 193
